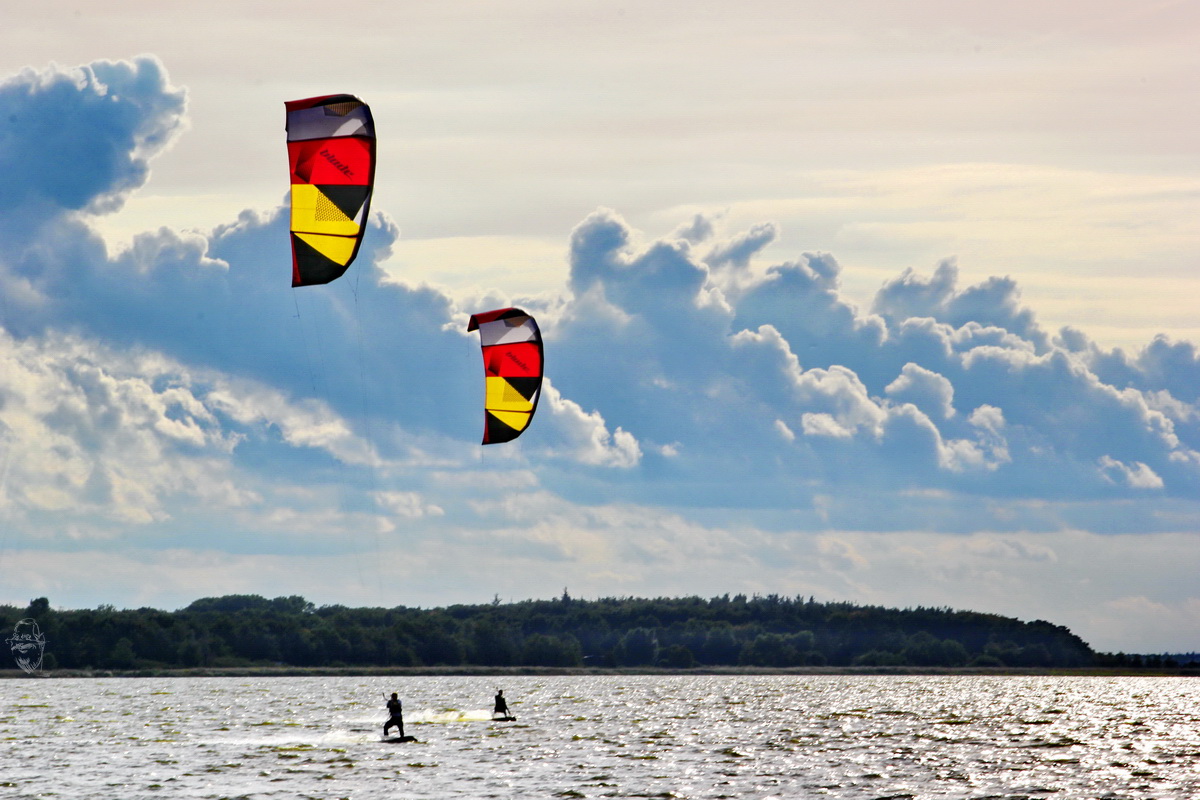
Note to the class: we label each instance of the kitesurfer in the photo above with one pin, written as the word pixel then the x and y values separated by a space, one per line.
pixel 501 708
pixel 396 710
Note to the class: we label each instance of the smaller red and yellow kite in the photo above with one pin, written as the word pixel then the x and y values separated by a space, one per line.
pixel 512 366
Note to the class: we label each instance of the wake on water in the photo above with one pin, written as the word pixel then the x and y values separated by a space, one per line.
pixel 448 715
pixel 426 716
pixel 363 729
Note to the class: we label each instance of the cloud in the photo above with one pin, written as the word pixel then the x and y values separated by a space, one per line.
pixel 89 432
pixel 586 438
pixel 408 504
pixel 995 303
pixel 1171 367
pixel 927 390
pixel 82 138
pixel 941 385
pixel 1137 475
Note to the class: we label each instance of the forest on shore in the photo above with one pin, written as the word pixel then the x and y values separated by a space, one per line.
pixel 675 633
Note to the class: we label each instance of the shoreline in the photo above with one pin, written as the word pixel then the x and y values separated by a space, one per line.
pixel 370 672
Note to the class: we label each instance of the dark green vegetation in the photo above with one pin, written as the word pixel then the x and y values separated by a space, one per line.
pixel 770 632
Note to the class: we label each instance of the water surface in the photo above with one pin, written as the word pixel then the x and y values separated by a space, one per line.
pixel 603 736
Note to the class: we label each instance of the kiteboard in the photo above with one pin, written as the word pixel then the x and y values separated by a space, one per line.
pixel 398 739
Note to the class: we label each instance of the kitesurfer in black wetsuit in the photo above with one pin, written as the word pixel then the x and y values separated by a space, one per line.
pixel 501 708
pixel 396 709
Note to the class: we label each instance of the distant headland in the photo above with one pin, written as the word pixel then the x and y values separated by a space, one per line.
pixel 253 635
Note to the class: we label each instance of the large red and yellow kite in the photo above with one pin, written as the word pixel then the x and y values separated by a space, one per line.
pixel 331 147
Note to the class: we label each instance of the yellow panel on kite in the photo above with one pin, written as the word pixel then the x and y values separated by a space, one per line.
pixel 313 212
pixel 339 249
pixel 500 394
pixel 513 419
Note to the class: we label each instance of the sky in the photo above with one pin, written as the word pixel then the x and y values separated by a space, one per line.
pixel 884 303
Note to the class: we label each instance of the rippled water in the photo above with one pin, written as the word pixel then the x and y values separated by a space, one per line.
pixel 592 736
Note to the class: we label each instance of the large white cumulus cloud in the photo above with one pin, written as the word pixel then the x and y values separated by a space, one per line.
pixel 937 386
pixel 699 396
pixel 82 138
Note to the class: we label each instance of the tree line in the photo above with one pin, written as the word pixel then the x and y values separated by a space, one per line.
pixel 759 631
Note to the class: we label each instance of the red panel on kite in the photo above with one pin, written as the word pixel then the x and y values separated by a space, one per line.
pixel 346 160
pixel 517 360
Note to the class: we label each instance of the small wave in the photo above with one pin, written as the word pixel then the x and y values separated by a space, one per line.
pixel 338 736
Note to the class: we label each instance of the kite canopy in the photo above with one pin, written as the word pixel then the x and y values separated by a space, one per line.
pixel 331 147
pixel 512 366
